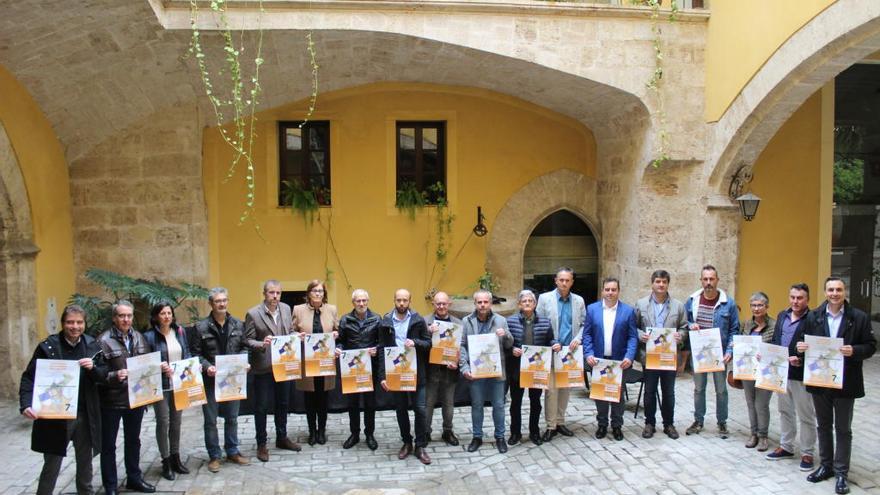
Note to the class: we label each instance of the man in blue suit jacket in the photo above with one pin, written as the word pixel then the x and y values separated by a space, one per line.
pixel 610 333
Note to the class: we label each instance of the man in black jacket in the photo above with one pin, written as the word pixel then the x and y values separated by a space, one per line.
pixel 834 407
pixel 51 436
pixel 119 343
pixel 360 330
pixel 403 327
pixel 219 334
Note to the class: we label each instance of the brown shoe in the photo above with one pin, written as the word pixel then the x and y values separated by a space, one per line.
pixel 763 444
pixel 214 465
pixel 239 459
pixel 422 455
pixel 405 451
pixel 753 440
pixel 287 444
pixel 263 453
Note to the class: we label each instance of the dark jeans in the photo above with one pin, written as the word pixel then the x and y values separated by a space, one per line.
pixel 441 385
pixel 516 396
pixel 316 406
pixel 78 431
pixel 263 386
pixel 131 429
pixel 616 413
pixel 229 412
pixel 666 380
pixel 402 402
pixel 354 412
pixel 834 414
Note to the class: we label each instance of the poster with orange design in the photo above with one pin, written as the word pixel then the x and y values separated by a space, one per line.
pixel 401 369
pixel 661 349
pixel 356 371
pixel 606 380
pixel 320 355
pixel 187 383
pixel 445 343
pixel 568 367
pixel 534 367
pixel 286 357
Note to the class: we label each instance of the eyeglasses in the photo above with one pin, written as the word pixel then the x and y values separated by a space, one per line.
pixel 124 317
pixel 317 291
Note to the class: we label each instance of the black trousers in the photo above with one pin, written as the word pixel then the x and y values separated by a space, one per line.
pixel 316 406
pixel 516 396
pixel 354 412
pixel 666 380
pixel 834 417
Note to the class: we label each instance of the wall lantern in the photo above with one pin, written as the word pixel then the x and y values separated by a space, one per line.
pixel 748 203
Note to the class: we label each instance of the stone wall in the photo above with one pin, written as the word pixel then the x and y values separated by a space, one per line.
pixel 138 204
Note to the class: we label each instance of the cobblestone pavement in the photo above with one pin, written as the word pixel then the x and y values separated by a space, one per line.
pixel 692 464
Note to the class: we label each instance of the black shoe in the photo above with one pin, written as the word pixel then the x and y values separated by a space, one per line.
pixel 351 441
pixel 821 474
pixel 564 431
pixel 548 435
pixel 372 443
pixel 617 433
pixel 601 432
pixel 501 445
pixel 177 465
pixel 313 438
pixel 475 444
pixel 140 486
pixel 514 439
pixel 167 473
pixel 322 436
pixel 450 438
pixel 535 438
pixel 841 486
pixel 110 491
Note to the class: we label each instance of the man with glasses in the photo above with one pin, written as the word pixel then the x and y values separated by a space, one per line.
pixel 442 379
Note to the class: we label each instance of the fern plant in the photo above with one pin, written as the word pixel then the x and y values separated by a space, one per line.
pixel 410 199
pixel 301 199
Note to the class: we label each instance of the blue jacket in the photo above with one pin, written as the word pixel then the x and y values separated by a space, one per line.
pixel 726 317
pixel 624 340
pixel 542 331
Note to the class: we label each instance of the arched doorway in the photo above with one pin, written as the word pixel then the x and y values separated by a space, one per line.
pixel 562 239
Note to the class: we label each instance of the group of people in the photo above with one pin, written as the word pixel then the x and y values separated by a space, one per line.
pixel 560 319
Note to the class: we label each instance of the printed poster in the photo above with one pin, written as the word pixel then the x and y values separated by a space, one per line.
pixel 286 357
pixel 144 379
pixel 745 356
pixel 401 369
pixel 568 367
pixel 661 349
pixel 56 389
pixel 706 350
pixel 772 368
pixel 823 362
pixel 606 380
pixel 187 383
pixel 484 354
pixel 534 367
pixel 320 354
pixel 356 371
pixel 230 382
pixel 445 343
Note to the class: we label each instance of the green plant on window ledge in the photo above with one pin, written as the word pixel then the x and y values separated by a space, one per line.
pixel 304 200
pixel 410 199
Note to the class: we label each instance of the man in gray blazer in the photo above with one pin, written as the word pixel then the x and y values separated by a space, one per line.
pixel 660 310
pixel 566 312
pixel 269 318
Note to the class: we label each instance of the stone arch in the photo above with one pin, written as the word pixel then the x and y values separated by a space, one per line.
pixel 18 294
pixel 841 35
pixel 508 234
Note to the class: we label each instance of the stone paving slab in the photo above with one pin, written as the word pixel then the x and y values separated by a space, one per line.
pixel 701 464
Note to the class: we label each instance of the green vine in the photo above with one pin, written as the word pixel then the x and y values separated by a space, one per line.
pixel 445 219
pixel 410 199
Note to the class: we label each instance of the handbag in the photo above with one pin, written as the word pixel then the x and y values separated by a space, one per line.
pixel 733 382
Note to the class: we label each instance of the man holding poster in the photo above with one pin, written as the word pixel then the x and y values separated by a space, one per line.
pixel 706 308
pixel 484 322
pixel 610 333
pixel 836 318
pixel 527 328
pixel 118 344
pixel 360 330
pixel 402 327
pixel 660 310
pixel 220 334
pixel 442 378
pixel 51 436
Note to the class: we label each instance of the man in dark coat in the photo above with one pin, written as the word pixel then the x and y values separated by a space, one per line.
pixel 834 407
pixel 51 436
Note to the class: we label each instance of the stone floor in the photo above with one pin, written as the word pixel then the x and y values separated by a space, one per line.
pixel 698 464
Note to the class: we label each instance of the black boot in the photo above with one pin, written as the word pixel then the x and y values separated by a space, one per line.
pixel 167 473
pixel 177 465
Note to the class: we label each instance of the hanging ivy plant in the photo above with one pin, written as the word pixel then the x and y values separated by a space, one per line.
pixel 304 200
pixel 410 199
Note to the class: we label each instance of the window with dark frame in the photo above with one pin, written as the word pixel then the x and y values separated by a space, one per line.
pixel 304 159
pixel 421 158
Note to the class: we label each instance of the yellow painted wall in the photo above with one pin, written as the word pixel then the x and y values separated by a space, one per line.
pixel 743 34
pixel 495 145
pixel 786 242
pixel 46 178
